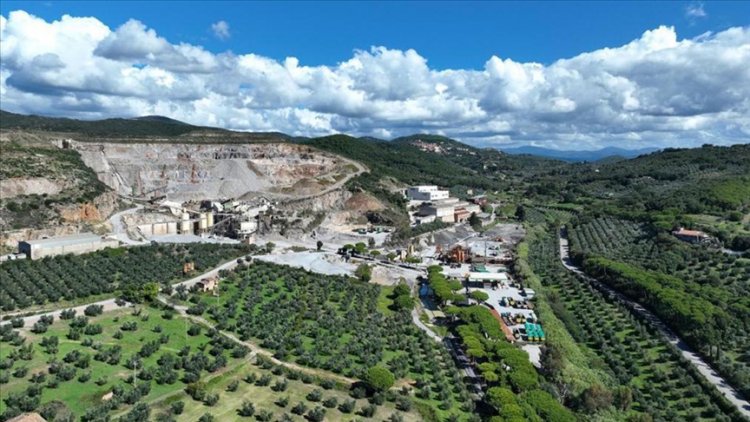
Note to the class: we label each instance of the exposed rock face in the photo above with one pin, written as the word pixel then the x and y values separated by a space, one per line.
pixel 17 186
pixel 90 212
pixel 211 171
pixel 329 201
pixel 363 202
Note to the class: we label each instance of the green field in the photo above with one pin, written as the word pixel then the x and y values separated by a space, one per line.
pixel 78 395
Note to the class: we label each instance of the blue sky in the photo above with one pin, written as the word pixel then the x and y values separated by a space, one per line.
pixel 566 75
pixel 449 34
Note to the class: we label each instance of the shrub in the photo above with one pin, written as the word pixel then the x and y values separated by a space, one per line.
pixel 247 409
pixel 379 378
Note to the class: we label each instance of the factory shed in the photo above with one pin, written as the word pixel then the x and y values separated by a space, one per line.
pixel 75 244
pixel 482 279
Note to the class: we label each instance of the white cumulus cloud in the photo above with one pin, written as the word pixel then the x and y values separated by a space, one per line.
pixel 658 89
pixel 221 30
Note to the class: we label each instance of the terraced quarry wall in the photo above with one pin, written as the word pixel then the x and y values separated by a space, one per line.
pixel 213 171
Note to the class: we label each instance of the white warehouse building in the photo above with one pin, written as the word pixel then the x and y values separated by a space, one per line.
pixel 426 193
pixel 75 244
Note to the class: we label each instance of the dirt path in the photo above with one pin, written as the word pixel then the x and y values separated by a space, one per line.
pixel 704 368
pixel 118 228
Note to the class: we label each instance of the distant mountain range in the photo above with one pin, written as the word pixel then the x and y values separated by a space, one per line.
pixel 575 156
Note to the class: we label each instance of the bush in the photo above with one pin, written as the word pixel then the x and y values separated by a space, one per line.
pixel 379 378
pixel 211 399
pixel 368 411
pixel 206 417
pixel 347 406
pixel 314 395
pixel 247 409
pixel 93 310
pixel 316 415
pixel 299 409
pixel 177 407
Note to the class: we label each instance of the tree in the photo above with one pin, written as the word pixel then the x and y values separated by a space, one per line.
pixel 403 302
pixel 363 272
pixel 150 291
pixel 623 397
pixel 475 222
pixel 247 409
pixel 360 248
pixel 520 212
pixel 595 398
pixel 319 244
pixel 401 288
pixel 270 247
pixel 379 378
pixel 479 295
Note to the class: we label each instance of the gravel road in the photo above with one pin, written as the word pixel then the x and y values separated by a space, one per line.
pixel 704 368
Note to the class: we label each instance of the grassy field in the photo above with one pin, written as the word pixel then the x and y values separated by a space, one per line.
pixel 276 403
pixel 79 396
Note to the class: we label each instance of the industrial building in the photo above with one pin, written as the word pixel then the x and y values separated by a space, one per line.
pixel 426 193
pixel 449 210
pixel 75 244
pixel 442 210
pixel 487 280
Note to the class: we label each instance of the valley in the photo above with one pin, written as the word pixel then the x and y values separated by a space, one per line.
pixel 266 276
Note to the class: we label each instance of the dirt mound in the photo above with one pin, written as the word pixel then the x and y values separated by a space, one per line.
pixel 362 201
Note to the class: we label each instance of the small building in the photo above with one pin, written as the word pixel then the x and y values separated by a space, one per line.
pixel 207 284
pixel 426 193
pixel 692 236
pixel 485 217
pixel 461 214
pixel 75 244
pixel 443 210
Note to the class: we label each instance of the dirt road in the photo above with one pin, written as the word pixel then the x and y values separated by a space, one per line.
pixel 704 368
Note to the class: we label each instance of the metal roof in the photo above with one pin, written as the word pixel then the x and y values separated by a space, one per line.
pixel 487 276
pixel 65 240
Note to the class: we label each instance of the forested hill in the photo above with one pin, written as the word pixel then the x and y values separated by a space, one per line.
pixel 138 127
pixel 433 159
pixel 661 185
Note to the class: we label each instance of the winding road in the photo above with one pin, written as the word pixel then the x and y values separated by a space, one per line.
pixel 704 368
pixel 119 231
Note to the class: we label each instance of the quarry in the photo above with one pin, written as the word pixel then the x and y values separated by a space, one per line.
pixel 182 172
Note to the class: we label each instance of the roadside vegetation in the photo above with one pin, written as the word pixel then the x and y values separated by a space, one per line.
pixel 657 379
pixel 702 294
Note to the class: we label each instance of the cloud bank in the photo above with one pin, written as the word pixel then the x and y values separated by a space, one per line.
pixel 656 90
